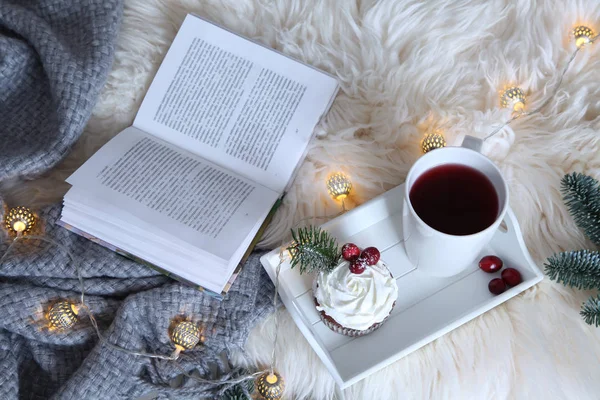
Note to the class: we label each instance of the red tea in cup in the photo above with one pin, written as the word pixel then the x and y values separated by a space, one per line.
pixel 455 199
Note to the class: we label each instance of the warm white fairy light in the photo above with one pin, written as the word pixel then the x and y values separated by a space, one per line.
pixel 270 386
pixel 186 335
pixel 583 35
pixel 19 220
pixel 432 140
pixel 339 186
pixel 62 315
pixel 513 98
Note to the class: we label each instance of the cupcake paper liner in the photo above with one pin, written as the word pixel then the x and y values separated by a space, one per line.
pixel 337 328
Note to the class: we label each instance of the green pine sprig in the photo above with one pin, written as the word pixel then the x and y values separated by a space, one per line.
pixel 579 269
pixel 313 249
pixel 582 197
pixel 240 391
pixel 591 311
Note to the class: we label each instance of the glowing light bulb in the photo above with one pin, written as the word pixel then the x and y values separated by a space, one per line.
pixel 514 98
pixel 270 386
pixel 19 220
pixel 339 186
pixel 62 315
pixel 583 35
pixel 19 226
pixel 432 140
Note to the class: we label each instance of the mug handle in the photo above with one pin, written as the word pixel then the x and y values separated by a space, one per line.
pixel 473 143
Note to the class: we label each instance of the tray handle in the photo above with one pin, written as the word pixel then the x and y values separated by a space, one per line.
pixel 473 143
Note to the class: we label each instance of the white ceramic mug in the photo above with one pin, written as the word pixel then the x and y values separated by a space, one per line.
pixel 435 252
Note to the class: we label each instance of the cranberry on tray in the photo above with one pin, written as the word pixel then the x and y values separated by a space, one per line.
pixel 490 264
pixel 497 286
pixel 511 276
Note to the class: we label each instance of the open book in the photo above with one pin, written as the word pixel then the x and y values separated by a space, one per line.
pixel 217 139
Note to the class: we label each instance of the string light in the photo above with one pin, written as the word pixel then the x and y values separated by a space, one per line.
pixel 62 315
pixel 338 186
pixel 583 35
pixel 186 335
pixel 19 220
pixel 270 386
pixel 432 140
pixel 514 98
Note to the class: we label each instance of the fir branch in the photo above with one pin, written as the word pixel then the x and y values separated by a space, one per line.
pixel 313 249
pixel 591 311
pixel 582 197
pixel 240 391
pixel 579 269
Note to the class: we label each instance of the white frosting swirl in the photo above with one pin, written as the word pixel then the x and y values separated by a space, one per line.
pixel 356 301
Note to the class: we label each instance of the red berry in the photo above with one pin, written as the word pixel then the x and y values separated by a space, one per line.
pixel 358 266
pixel 511 276
pixel 497 286
pixel 490 264
pixel 350 252
pixel 371 255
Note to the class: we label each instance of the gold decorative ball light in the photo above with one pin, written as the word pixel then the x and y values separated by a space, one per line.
pixel 270 386
pixel 62 315
pixel 513 98
pixel 583 35
pixel 432 141
pixel 19 220
pixel 339 186
pixel 186 335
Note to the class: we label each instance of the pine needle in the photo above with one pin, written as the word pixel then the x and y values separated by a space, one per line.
pixel 579 269
pixel 591 311
pixel 582 197
pixel 313 249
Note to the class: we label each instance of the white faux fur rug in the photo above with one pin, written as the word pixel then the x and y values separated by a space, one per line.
pixel 405 67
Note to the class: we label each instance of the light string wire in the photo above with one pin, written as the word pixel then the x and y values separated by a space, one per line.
pixel 549 98
pixel 276 317
pixel 278 270
pixel 176 355
pixel 82 302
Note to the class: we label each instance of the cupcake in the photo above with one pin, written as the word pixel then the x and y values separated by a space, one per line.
pixel 354 292
pixel 355 304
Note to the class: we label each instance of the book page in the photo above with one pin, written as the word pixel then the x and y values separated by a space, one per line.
pixel 180 193
pixel 236 103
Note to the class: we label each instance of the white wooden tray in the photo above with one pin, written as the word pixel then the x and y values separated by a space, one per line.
pixel 427 307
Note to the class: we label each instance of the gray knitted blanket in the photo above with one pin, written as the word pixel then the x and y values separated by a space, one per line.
pixel 54 58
